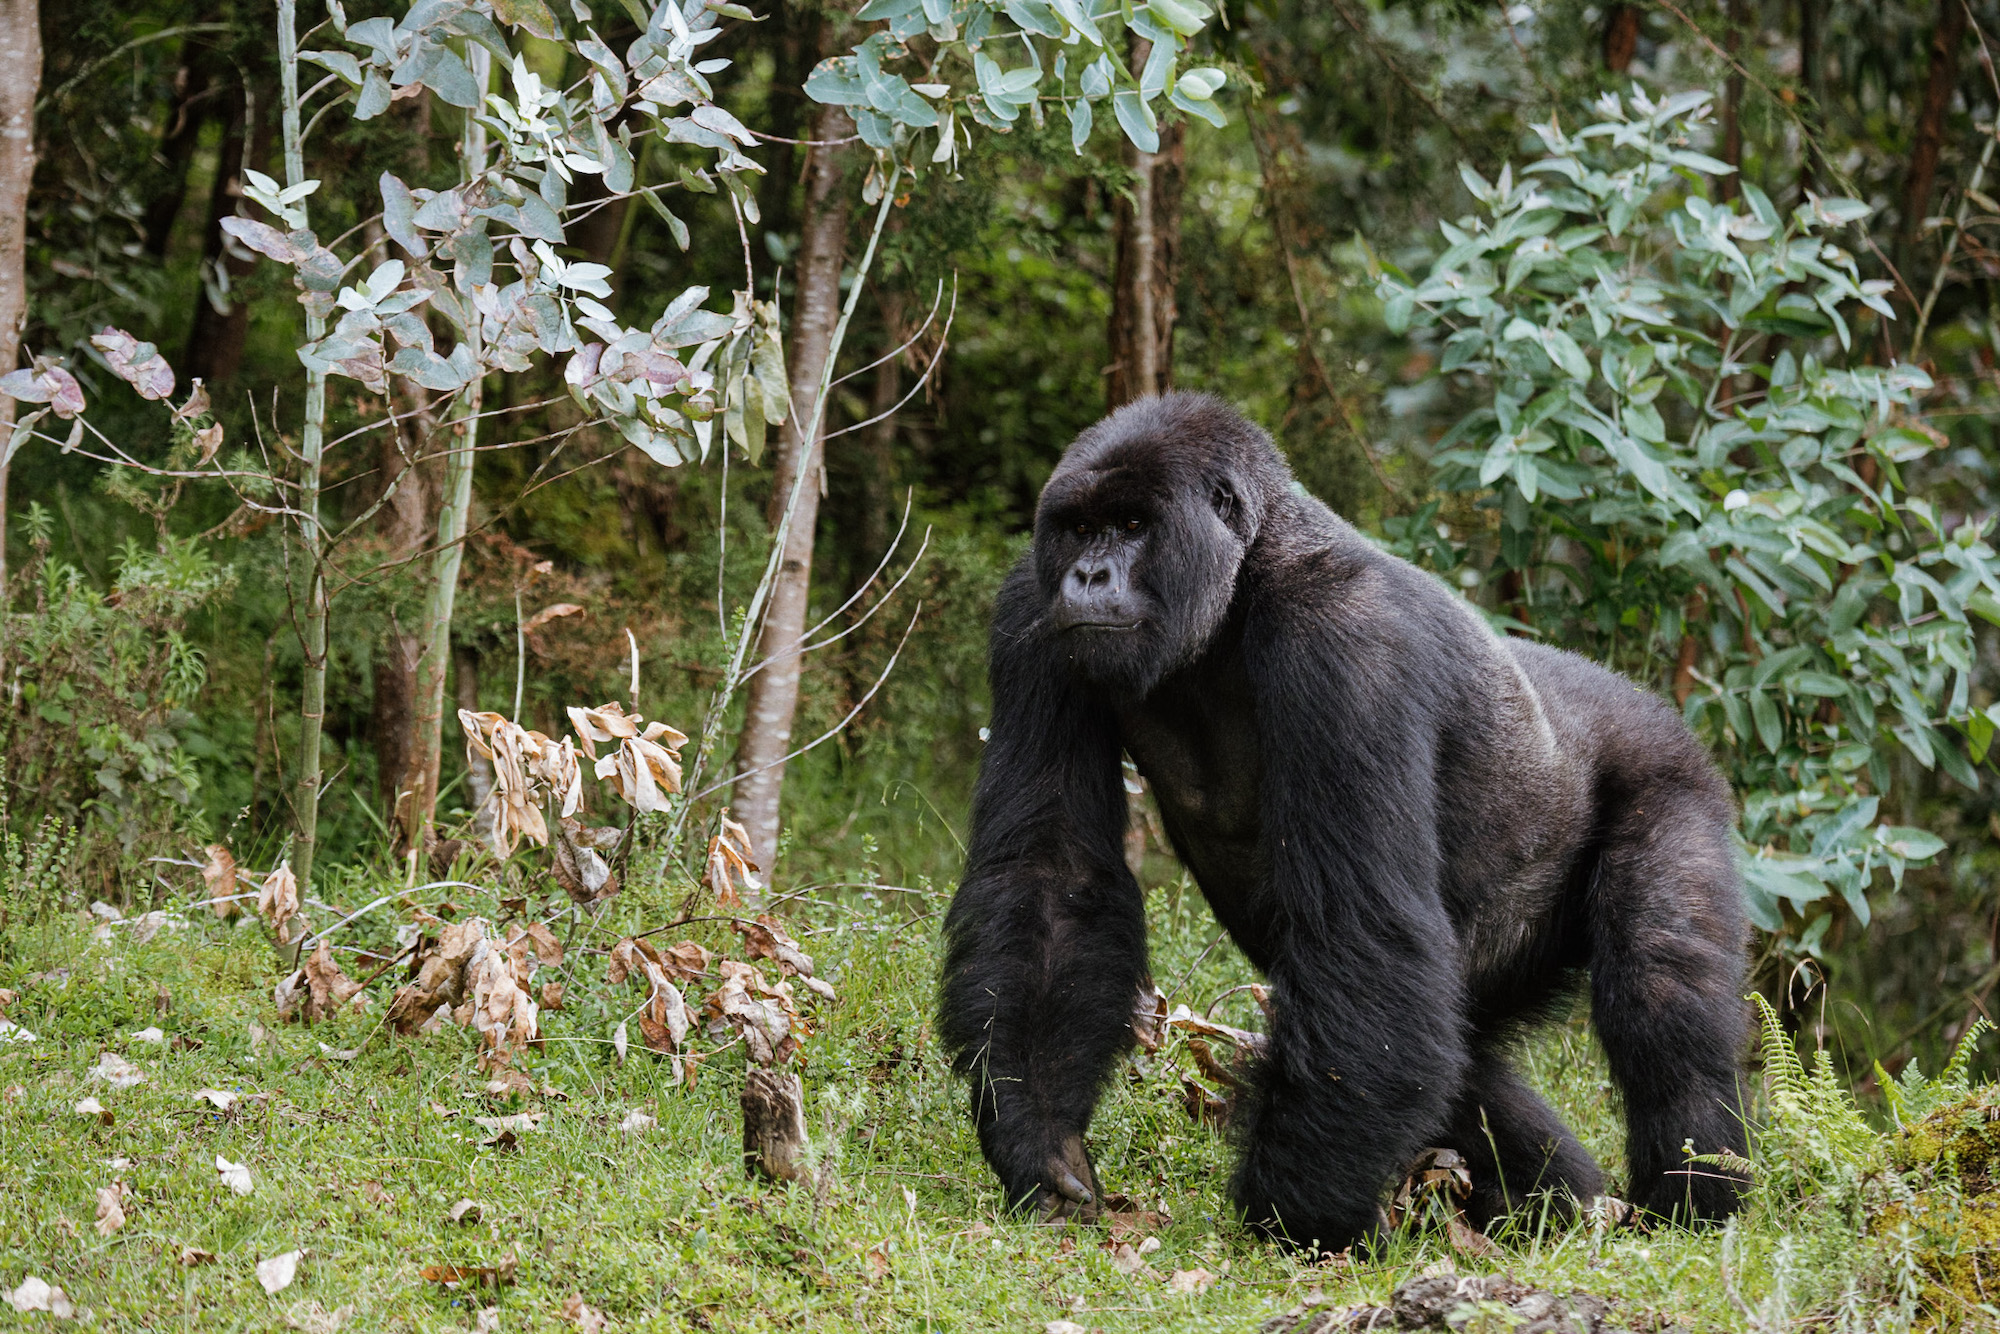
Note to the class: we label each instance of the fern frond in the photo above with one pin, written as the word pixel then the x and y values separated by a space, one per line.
pixel 1958 1070
pixel 1782 1066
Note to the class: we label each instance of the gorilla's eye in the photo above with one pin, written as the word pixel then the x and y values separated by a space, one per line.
pixel 1132 525
pixel 1083 530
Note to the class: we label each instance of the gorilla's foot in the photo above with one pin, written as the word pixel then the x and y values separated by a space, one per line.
pixel 1072 1191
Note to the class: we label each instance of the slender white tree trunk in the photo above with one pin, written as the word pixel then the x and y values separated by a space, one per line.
pixel 20 83
pixel 772 698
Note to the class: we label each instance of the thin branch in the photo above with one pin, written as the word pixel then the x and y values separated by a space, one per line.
pixel 899 351
pixel 831 732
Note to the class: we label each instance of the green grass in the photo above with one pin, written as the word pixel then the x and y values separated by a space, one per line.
pixel 357 1162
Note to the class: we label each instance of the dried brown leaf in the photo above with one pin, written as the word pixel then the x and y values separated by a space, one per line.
pixel 218 875
pixel 547 614
pixel 1149 1016
pixel 278 900
pixel 587 1318
pixel 479 1276
pixel 319 989
pixel 111 1208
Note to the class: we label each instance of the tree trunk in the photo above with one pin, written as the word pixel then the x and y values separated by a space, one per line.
pixel 1729 185
pixel 1812 62
pixel 773 695
pixel 200 80
pixel 1147 234
pixel 1947 35
pixel 404 524
pixel 217 336
pixel 20 82
pixel 417 812
pixel 1621 37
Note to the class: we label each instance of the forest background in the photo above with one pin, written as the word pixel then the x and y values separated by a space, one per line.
pixel 160 621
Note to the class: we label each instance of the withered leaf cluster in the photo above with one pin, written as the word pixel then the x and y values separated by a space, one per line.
pixel 580 866
pixel 1153 1022
pixel 666 1017
pixel 467 975
pixel 318 989
pixel 729 861
pixel 643 766
pixel 526 765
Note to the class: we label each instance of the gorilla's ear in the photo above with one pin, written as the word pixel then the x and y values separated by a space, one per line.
pixel 1222 497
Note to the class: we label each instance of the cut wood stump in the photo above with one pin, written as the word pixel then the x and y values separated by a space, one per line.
pixel 774 1126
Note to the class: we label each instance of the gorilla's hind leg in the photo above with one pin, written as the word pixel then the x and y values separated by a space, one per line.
pixel 1667 980
pixel 1521 1155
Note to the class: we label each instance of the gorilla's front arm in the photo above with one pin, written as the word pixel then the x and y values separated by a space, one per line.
pixel 1045 943
pixel 1363 946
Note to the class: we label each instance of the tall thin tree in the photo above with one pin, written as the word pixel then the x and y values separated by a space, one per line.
pixel 772 699
pixel 20 84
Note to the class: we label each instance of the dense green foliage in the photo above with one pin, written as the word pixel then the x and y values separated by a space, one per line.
pixel 1345 130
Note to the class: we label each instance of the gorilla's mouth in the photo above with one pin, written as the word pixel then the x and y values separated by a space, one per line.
pixel 1116 627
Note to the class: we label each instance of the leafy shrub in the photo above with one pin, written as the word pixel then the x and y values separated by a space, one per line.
pixel 1682 464
pixel 98 684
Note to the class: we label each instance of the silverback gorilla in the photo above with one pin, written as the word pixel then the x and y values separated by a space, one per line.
pixel 1419 832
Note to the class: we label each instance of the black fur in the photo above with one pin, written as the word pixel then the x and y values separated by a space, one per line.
pixel 1420 832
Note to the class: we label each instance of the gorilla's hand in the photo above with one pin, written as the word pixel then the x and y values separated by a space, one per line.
pixel 1071 1190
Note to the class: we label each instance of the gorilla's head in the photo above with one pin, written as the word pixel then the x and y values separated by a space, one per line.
pixel 1140 532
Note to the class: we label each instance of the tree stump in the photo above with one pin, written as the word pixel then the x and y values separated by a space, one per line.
pixel 774 1126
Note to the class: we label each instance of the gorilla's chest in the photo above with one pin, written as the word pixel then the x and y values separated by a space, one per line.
pixel 1195 741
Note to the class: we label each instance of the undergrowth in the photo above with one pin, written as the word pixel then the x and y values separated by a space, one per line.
pixel 360 1142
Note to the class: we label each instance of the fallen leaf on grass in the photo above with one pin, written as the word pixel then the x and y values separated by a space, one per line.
pixel 111 1208
pixel 510 1084
pixel 484 1276
pixel 93 1108
pixel 154 1035
pixel 36 1294
pixel 1063 1327
pixel 636 1121
pixel 13 1032
pixel 1124 1258
pixel 318 990
pixel 220 1099
pixel 192 1257
pixel 487 1321
pixel 339 1053
pixel 520 1123
pixel 236 1176
pixel 464 1213
pixel 587 1318
pixel 276 1274
pixel 1469 1240
pixel 312 1318
pixel 373 1192
pixel 1192 1282
pixel 116 1071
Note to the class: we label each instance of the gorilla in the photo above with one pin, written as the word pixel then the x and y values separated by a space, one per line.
pixel 1421 833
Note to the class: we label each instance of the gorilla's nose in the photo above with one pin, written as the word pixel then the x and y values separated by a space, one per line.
pixel 1090 576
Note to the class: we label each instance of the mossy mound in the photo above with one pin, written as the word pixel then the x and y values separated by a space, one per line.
pixel 1945 1196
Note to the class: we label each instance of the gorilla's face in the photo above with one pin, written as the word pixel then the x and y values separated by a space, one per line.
pixel 1138 571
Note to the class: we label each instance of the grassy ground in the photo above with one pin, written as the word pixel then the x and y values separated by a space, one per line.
pixel 359 1142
